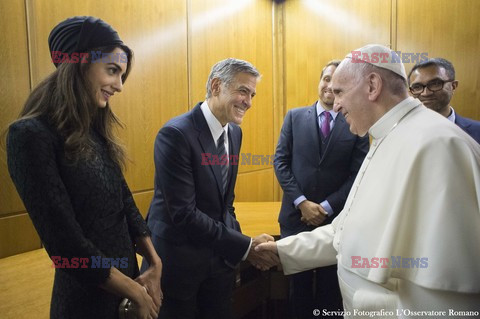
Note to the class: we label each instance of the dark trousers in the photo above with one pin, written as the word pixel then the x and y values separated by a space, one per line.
pixel 194 287
pixel 315 289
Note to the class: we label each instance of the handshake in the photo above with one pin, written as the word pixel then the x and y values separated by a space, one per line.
pixel 263 253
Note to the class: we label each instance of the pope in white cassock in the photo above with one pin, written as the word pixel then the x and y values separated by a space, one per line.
pixel 415 203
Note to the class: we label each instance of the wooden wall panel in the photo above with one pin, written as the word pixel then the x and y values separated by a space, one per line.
pixel 256 186
pixel 155 30
pixel 143 199
pixel 447 29
pixel 221 29
pixel 14 88
pixel 16 230
pixel 177 41
pixel 279 65
pixel 313 32
pixel 317 31
pixel 157 87
pixel 17 235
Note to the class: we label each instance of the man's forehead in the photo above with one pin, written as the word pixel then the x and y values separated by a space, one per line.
pixel 245 81
pixel 245 77
pixel 337 82
pixel 330 69
pixel 430 71
pixel 341 73
pixel 242 79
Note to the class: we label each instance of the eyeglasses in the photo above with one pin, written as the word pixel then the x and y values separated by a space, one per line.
pixel 436 85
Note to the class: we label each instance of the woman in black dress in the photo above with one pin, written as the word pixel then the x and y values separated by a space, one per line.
pixel 67 167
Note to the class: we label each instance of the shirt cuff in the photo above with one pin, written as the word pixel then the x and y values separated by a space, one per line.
pixel 248 250
pixel 327 207
pixel 299 200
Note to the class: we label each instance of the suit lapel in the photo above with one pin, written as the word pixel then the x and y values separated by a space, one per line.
pixel 313 129
pixel 206 141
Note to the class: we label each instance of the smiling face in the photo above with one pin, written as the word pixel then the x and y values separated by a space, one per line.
pixel 325 93
pixel 438 101
pixel 105 77
pixel 230 102
pixel 351 99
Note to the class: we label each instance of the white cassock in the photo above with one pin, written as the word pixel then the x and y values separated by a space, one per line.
pixel 417 195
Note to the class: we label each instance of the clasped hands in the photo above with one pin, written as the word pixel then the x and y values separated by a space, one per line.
pixel 313 214
pixel 263 258
pixel 152 292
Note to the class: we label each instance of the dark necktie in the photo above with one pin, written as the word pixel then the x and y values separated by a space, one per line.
pixel 222 154
pixel 325 128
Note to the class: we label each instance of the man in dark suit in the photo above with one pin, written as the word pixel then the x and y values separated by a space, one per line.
pixel 192 217
pixel 316 160
pixel 433 82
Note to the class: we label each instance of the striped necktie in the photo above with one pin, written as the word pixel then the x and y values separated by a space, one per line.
pixel 222 155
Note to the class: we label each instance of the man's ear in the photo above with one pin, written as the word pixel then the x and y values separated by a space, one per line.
pixel 215 86
pixel 375 86
pixel 454 85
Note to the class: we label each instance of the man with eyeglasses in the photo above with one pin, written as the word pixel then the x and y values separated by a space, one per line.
pixel 433 82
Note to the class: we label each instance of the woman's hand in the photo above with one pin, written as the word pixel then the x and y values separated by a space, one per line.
pixel 150 279
pixel 144 307
pixel 119 284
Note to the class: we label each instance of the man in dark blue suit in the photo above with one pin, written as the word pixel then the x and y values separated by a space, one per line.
pixel 316 160
pixel 192 217
pixel 433 82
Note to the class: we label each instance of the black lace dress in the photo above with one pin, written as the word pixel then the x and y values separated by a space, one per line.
pixel 84 210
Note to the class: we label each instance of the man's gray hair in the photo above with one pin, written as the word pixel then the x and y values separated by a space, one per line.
pixel 226 70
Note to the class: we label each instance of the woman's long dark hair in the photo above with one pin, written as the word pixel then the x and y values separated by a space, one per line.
pixel 67 101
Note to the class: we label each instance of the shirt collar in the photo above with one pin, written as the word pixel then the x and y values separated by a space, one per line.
pixel 320 109
pixel 383 126
pixel 452 116
pixel 213 124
